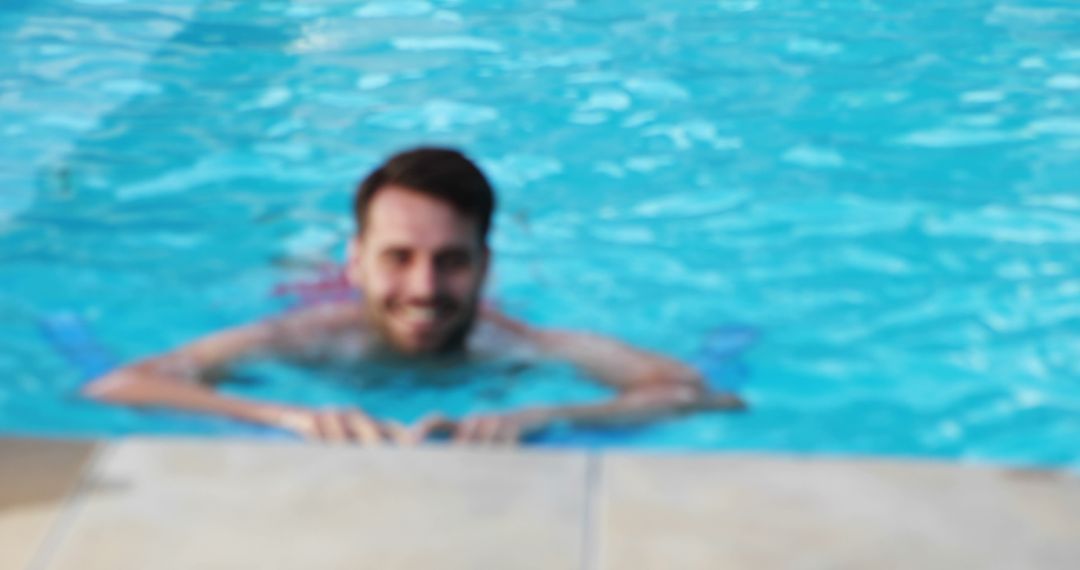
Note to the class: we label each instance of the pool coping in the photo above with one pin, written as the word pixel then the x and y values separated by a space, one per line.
pixel 226 503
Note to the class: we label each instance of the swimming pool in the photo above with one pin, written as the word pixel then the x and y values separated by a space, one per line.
pixel 889 192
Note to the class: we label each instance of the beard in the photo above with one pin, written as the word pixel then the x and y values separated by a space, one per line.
pixel 451 340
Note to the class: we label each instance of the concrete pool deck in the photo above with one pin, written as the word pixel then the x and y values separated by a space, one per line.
pixel 185 504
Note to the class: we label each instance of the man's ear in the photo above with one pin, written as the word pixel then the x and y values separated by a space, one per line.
pixel 354 264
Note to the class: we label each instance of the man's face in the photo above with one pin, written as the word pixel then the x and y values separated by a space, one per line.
pixel 420 265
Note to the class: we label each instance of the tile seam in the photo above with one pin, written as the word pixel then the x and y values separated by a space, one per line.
pixel 589 546
pixel 72 503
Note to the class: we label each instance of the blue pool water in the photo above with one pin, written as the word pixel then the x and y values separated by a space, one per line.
pixel 888 190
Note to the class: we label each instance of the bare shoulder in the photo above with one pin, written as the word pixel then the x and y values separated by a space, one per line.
pixel 313 327
pixel 324 317
pixel 499 335
pixel 301 331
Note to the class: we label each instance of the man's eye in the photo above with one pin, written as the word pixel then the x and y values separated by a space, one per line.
pixel 454 260
pixel 396 257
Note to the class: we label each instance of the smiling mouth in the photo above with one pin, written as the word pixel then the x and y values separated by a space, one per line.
pixel 423 318
pixel 428 326
pixel 418 316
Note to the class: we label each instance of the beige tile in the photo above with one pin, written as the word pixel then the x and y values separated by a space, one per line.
pixel 36 477
pixel 183 505
pixel 713 512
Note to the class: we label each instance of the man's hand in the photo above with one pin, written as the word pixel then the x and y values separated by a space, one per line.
pixel 349 425
pixel 408 436
pixel 494 429
pixel 500 429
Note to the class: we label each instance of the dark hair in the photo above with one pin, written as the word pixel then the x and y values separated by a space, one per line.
pixel 442 173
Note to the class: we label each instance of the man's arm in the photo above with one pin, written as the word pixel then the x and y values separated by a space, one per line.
pixel 182 379
pixel 618 365
pixel 650 386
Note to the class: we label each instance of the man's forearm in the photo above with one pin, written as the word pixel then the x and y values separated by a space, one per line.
pixel 138 386
pixel 614 363
pixel 638 407
pixel 144 385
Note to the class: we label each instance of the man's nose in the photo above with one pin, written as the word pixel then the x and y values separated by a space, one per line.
pixel 424 281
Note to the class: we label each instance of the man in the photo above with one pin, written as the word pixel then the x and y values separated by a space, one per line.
pixel 419 260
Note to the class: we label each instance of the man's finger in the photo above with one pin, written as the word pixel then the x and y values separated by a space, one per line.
pixel 362 427
pixel 331 429
pixel 303 423
pixel 428 425
pixel 508 434
pixel 397 432
pixel 488 430
pixel 466 430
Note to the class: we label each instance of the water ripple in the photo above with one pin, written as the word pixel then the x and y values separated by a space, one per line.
pixel 949 137
pixel 998 224
pixel 891 201
pixel 436 115
pixel 447 43
pixel 396 9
